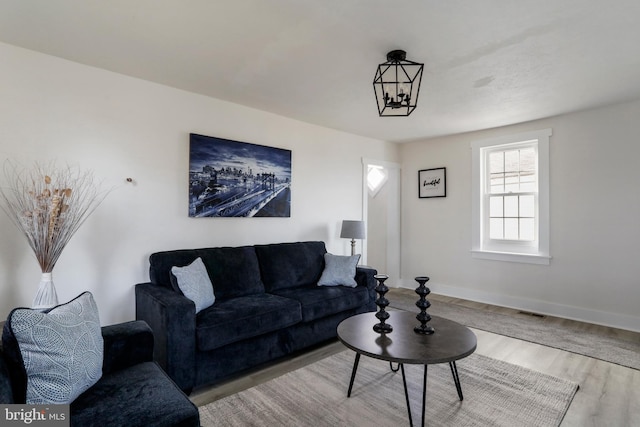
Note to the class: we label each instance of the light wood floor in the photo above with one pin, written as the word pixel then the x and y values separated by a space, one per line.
pixel 609 394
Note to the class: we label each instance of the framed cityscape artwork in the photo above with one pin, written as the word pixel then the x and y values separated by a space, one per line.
pixel 238 179
pixel 432 183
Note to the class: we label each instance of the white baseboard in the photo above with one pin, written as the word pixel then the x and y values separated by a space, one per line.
pixel 605 318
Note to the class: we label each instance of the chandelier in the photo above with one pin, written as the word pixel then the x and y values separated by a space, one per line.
pixel 397 84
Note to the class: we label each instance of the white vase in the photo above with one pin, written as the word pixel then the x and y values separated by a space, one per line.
pixel 46 297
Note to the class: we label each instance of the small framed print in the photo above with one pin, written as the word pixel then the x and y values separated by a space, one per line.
pixel 432 183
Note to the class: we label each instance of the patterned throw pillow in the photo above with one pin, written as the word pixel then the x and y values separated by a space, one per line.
pixel 193 280
pixel 339 270
pixel 61 348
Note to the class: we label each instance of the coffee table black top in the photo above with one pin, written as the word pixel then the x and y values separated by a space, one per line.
pixel 451 341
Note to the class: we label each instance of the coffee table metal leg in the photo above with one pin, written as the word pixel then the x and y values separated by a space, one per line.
pixel 456 378
pixel 353 373
pixel 406 394
pixel 424 393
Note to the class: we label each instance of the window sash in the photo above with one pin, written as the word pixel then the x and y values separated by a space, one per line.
pixel 519 217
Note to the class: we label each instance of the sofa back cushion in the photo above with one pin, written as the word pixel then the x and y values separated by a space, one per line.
pixel 290 265
pixel 233 272
pixel 160 264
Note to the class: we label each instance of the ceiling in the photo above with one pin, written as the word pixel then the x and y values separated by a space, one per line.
pixel 487 63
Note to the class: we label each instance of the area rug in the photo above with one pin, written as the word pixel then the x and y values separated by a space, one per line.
pixel 496 393
pixel 569 337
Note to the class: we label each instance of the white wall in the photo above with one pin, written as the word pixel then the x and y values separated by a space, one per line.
pixel 122 127
pixel 595 210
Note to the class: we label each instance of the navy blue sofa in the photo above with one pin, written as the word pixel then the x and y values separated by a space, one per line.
pixel 133 390
pixel 267 305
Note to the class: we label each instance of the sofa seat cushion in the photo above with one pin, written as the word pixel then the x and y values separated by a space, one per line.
pixel 141 395
pixel 237 319
pixel 320 301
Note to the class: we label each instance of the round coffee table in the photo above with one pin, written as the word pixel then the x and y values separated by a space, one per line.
pixel 450 342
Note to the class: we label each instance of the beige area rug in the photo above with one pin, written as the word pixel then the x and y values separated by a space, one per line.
pixel 496 393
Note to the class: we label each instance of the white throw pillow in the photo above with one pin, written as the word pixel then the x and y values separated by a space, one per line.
pixel 194 282
pixel 339 270
pixel 61 348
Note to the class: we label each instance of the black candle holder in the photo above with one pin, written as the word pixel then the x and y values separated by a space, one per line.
pixel 423 304
pixel 382 303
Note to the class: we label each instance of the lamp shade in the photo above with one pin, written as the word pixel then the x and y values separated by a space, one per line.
pixel 353 230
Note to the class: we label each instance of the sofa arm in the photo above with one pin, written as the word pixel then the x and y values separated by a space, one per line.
pixel 172 318
pixel 364 277
pixel 126 344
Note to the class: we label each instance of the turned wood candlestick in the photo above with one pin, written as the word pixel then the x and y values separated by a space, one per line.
pixel 423 304
pixel 382 303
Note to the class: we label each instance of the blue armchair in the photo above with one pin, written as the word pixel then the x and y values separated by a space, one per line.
pixel 133 390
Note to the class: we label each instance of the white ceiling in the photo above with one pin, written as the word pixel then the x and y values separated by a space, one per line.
pixel 487 63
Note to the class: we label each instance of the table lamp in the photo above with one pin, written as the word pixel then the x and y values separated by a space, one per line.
pixel 353 230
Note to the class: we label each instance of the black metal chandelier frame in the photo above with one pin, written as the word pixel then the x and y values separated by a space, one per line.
pixel 397 85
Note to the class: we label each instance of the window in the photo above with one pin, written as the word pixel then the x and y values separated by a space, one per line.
pixel 376 178
pixel 510 205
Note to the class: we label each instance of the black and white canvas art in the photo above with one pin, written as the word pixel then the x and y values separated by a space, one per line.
pixel 237 179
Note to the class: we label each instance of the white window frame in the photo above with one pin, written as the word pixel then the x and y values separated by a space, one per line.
pixel 536 252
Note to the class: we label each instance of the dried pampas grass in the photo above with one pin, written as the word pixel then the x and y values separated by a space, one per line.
pixel 48 204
